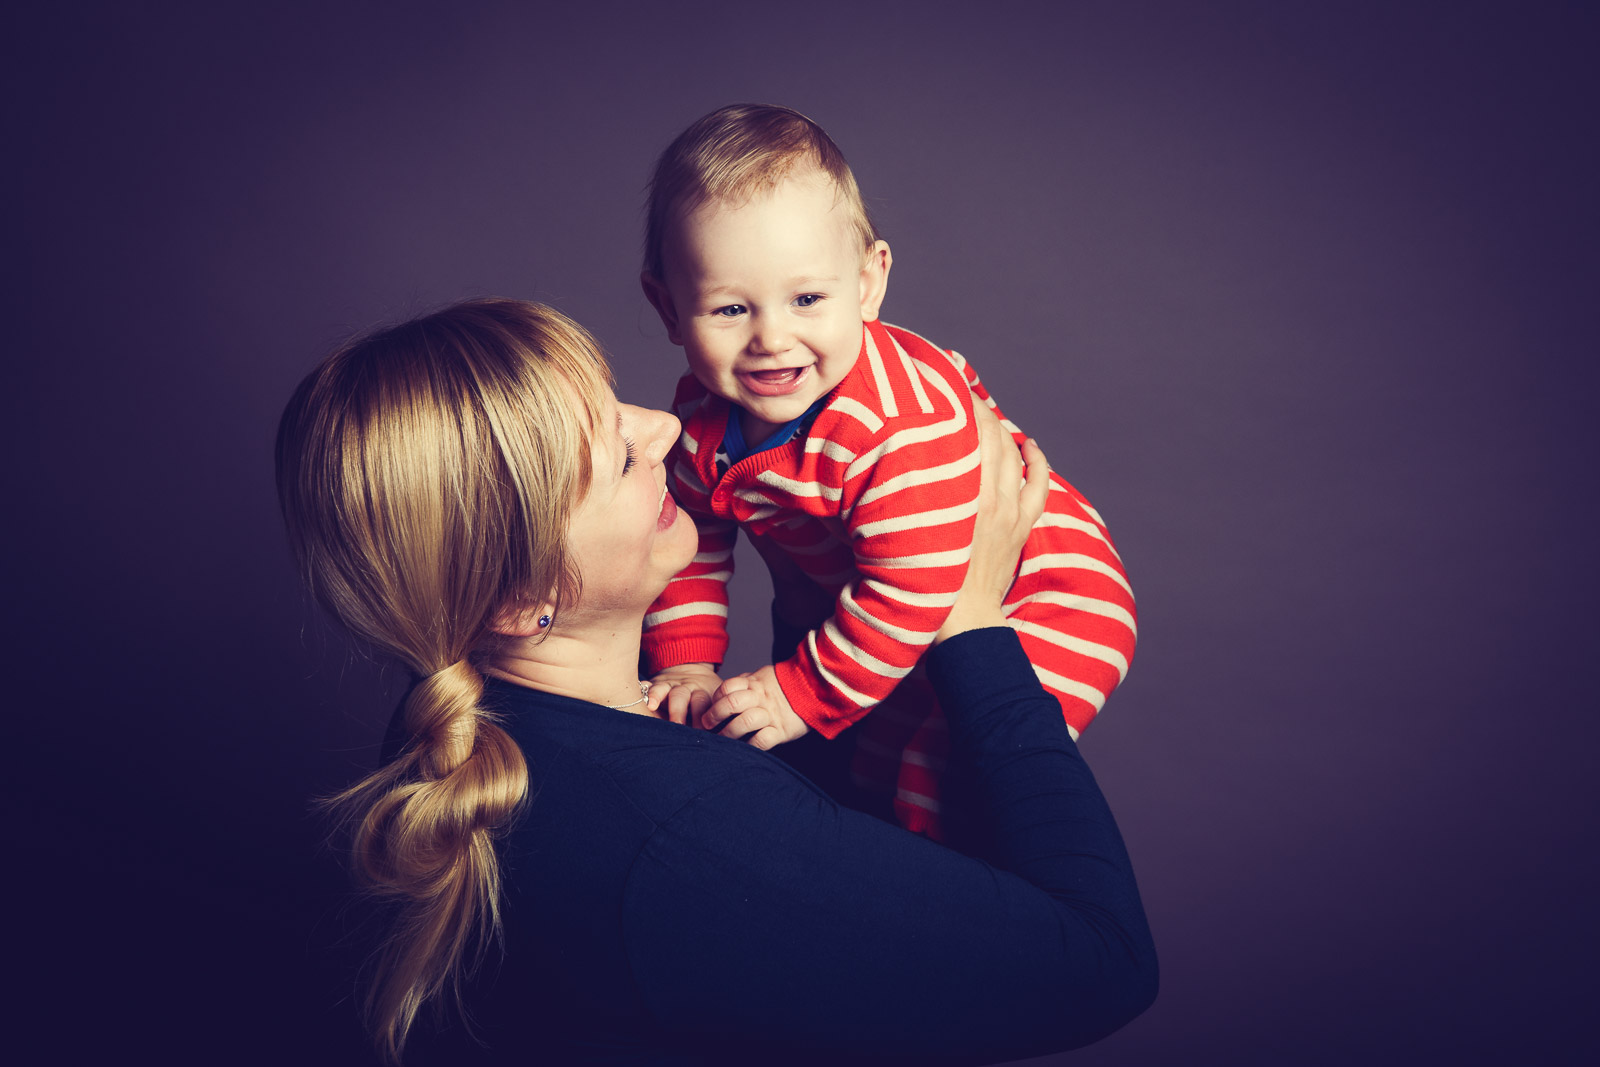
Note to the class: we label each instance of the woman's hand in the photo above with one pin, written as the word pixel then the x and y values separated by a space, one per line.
pixel 681 692
pixel 752 708
pixel 1008 506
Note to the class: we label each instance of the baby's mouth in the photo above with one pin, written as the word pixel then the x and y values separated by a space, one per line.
pixel 776 381
pixel 777 377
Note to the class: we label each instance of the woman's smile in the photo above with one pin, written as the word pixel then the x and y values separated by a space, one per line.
pixel 669 510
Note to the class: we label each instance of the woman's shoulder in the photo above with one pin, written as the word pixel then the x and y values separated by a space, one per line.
pixel 579 753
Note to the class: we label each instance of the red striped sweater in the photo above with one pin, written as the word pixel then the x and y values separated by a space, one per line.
pixel 875 503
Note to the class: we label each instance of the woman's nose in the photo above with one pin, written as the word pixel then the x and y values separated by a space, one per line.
pixel 664 430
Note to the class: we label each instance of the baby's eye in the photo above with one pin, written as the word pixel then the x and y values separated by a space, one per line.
pixel 628 460
pixel 805 300
pixel 732 311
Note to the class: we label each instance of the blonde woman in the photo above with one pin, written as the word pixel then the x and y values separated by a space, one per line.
pixel 465 493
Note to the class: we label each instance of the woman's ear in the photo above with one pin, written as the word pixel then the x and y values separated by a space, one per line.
pixel 875 279
pixel 655 291
pixel 522 620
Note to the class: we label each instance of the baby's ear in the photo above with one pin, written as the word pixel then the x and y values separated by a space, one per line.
pixel 875 279
pixel 655 291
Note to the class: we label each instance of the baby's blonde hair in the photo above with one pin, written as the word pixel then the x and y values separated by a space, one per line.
pixel 734 153
pixel 426 474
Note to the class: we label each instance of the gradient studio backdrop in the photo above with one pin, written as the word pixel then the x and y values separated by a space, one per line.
pixel 1301 296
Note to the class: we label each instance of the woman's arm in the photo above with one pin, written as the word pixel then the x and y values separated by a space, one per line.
pixel 763 914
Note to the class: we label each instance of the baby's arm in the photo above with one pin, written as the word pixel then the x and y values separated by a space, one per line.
pixel 686 629
pixel 908 502
pixel 754 706
pixel 909 499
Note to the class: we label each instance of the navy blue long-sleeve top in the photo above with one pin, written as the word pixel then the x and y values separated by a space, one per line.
pixel 674 897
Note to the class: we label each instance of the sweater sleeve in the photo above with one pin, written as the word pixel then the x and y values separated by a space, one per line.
pixel 766 921
pixel 909 503
pixel 688 622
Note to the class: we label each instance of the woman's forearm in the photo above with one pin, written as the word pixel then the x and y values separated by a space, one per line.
pixel 765 913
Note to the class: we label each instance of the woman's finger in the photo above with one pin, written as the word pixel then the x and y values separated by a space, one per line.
pixel 1036 488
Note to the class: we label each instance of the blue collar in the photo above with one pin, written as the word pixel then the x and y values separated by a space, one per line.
pixel 733 442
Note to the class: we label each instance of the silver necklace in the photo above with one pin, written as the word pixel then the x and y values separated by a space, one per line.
pixel 644 694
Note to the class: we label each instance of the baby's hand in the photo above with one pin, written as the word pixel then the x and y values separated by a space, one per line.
pixel 680 692
pixel 752 708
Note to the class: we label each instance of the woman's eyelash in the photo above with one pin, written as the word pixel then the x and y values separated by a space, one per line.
pixel 628 461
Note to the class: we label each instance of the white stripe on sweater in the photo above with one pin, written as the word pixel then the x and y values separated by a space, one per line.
pixel 704 607
pixel 918 521
pixel 914 435
pixel 1068 522
pixel 1078 603
pixel 845 405
pixel 880 375
pixel 909 365
pixel 860 700
pixel 907 596
pixel 914 638
pixel 861 656
pixel 918 478
pixel 917 800
pixel 1071 687
pixel 709 576
pixel 832 449
pixel 685 474
pixel 954 557
pixel 1073 561
pixel 797 488
pixel 1092 649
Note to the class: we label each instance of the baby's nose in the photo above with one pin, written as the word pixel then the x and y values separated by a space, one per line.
pixel 771 337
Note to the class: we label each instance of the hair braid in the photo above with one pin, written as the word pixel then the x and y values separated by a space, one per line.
pixel 426 474
pixel 424 830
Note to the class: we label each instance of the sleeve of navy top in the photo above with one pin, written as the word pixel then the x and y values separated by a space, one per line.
pixel 764 913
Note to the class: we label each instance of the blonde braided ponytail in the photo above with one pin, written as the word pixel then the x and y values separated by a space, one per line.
pixel 426 475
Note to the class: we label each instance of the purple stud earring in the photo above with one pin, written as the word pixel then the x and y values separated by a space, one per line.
pixel 544 620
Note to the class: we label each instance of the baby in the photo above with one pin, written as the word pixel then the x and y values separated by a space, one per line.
pixel 846 450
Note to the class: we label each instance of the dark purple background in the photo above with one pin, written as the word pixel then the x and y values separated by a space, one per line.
pixel 1302 296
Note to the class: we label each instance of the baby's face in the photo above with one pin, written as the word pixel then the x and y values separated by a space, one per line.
pixel 768 298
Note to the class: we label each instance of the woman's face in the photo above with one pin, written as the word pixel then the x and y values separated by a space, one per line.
pixel 628 536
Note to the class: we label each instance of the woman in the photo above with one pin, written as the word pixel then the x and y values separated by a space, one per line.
pixel 465 493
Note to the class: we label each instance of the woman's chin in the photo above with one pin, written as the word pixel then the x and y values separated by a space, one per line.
pixel 678 543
